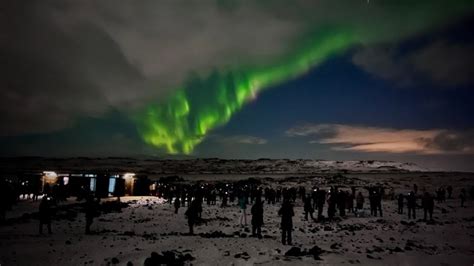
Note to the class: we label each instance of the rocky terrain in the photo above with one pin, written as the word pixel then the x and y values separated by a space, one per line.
pixel 157 167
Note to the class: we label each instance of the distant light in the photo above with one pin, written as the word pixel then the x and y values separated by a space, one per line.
pixel 129 175
pixel 50 174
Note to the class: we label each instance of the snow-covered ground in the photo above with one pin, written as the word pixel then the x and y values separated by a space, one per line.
pixel 150 225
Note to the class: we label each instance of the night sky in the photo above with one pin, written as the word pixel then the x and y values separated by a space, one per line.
pixel 336 80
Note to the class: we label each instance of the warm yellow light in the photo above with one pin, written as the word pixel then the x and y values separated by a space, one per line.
pixel 129 175
pixel 50 175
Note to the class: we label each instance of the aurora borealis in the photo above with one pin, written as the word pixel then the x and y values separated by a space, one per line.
pixel 336 80
pixel 204 103
pixel 182 122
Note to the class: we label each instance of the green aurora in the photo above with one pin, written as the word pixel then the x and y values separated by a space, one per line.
pixel 200 105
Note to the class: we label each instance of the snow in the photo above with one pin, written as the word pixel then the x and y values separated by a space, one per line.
pixel 149 224
pixel 157 168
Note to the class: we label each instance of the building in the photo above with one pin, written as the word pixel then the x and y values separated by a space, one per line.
pixel 103 184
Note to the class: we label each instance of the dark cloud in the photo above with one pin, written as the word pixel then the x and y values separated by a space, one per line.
pixel 112 135
pixel 67 59
pixel 452 141
pixel 382 62
pixel 64 59
pixel 450 64
pixel 441 63
pixel 51 76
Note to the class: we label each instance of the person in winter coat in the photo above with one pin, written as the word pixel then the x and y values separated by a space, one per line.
pixel 308 208
pixel 427 202
pixel 92 210
pixel 257 218
pixel 341 202
pixel 286 212
pixel 401 198
pixel 192 213
pixel 243 211
pixel 411 205
pixel 331 204
pixel 360 203
pixel 462 196
pixel 321 198
pixel 177 204
pixel 45 213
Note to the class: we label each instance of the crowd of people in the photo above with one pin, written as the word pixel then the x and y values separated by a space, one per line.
pixel 337 201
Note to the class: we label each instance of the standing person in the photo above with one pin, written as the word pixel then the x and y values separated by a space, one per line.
pixel 360 203
pixel 443 194
pixel 341 202
pixel 286 212
pixel 415 189
pixel 302 192
pixel 350 201
pixel 91 211
pixel 192 215
pixel 314 196
pixel 224 199
pixel 243 210
pixel 450 191
pixel 331 203
pixel 463 197
pixel 308 208
pixel 411 205
pixel 198 203
pixel 177 204
pixel 45 214
pixel 321 198
pixel 257 217
pixel 378 201
pixel 183 198
pixel 400 203
pixel 428 205
pixel 372 201
pixel 278 194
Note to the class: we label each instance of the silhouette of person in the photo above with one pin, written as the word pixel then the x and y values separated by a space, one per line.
pixel 360 203
pixel 286 212
pixel 177 204
pixel 411 205
pixel 91 210
pixel 257 217
pixel 224 199
pixel 192 215
pixel 378 201
pixel 331 204
pixel 400 203
pixel 463 197
pixel 321 198
pixel 341 202
pixel 428 205
pixel 45 213
pixel 450 191
pixel 308 208
pixel 372 201
pixel 350 201
pixel 243 210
